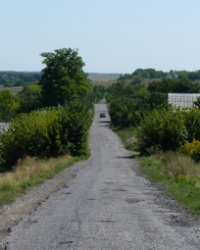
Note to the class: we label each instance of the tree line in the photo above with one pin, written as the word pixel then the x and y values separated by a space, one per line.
pixel 12 78
pixel 150 73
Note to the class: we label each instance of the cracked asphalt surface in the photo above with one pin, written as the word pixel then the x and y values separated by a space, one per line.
pixel 106 204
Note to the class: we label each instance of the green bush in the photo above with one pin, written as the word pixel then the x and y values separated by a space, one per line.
pixel 122 112
pixel 35 134
pixel 192 149
pixel 161 130
pixel 128 103
pixel 135 117
pixel 77 117
pixel 9 106
pixel 47 133
pixel 192 123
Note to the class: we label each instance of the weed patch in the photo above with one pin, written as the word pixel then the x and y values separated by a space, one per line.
pixel 128 137
pixel 177 172
pixel 180 182
pixel 30 172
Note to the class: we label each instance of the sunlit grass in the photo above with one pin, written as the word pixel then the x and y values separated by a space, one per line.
pixel 176 164
pixel 128 137
pixel 30 172
pixel 177 172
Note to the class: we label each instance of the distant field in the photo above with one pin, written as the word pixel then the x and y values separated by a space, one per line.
pixel 14 90
pixel 103 78
pixel 98 79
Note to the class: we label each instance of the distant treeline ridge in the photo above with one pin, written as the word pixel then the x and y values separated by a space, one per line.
pixel 14 78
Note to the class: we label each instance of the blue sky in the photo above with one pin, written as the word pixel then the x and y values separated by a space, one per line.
pixel 112 36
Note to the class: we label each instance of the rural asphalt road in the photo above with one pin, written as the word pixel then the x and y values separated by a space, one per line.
pixel 108 205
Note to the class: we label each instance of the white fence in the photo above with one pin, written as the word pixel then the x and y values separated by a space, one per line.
pixel 182 100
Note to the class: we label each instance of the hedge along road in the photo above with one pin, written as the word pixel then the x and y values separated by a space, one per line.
pixel 107 205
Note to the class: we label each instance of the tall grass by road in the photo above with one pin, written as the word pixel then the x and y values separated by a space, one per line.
pixel 178 173
pixel 28 173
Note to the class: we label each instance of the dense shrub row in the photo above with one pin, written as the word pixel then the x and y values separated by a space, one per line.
pixel 192 149
pixel 171 130
pixel 159 126
pixel 192 122
pixel 164 130
pixel 128 104
pixel 47 133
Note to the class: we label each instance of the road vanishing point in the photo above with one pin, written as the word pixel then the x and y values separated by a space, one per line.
pixel 107 205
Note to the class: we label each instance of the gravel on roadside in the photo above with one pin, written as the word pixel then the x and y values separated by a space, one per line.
pixel 11 214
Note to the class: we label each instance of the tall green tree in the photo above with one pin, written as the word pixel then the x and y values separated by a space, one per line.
pixel 30 97
pixel 63 78
pixel 9 106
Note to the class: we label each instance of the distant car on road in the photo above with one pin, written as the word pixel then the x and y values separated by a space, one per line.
pixel 102 115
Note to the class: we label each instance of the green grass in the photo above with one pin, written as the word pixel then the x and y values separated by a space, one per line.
pixel 8 192
pixel 178 173
pixel 128 137
pixel 46 174
pixel 184 189
pixel 12 186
